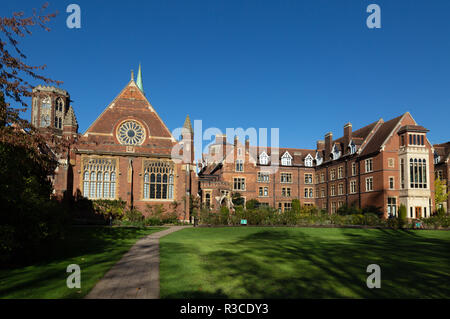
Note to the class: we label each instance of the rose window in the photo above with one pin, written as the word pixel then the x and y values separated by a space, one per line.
pixel 131 133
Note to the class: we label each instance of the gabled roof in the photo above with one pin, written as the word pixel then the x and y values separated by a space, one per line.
pixel 298 155
pixel 380 136
pixel 130 102
pixel 286 154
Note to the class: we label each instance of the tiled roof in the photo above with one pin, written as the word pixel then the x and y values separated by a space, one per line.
pixel 412 128
pixel 380 136
pixel 298 154
pixel 443 150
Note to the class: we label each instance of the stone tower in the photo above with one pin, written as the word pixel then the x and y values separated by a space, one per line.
pixel 51 111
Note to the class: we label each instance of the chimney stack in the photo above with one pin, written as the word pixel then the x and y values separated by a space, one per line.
pixel 320 145
pixel 347 136
pixel 221 139
pixel 328 146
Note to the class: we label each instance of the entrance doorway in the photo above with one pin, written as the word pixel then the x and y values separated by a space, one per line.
pixel 418 212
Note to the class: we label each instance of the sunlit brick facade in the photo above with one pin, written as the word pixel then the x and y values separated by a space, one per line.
pixel 383 164
pixel 127 153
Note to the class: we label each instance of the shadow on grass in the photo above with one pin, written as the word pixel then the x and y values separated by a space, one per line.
pixel 286 264
pixel 95 249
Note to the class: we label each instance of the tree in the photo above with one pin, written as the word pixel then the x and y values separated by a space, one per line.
pixel 296 206
pixel 440 192
pixel 252 204
pixel 27 217
pixel 13 129
pixel 237 199
pixel 402 216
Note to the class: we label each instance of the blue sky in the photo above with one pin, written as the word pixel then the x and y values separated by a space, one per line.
pixel 306 66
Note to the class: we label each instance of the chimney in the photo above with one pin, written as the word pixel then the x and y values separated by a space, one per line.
pixel 247 144
pixel 347 136
pixel 236 138
pixel 221 139
pixel 320 145
pixel 328 146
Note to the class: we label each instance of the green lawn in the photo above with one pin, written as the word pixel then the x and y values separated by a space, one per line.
pixel 281 262
pixel 94 249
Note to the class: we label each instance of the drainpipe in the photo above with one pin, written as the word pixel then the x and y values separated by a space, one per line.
pixel 131 186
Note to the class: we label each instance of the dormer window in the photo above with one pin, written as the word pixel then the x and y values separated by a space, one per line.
pixel 309 161
pixel 437 158
pixel 352 147
pixel 286 159
pixel 335 153
pixel 263 159
pixel 319 159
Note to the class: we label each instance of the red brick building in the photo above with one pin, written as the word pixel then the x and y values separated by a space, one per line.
pixel 127 153
pixel 383 164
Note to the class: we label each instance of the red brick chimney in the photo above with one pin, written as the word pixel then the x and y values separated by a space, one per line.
pixel 320 145
pixel 347 136
pixel 221 139
pixel 328 144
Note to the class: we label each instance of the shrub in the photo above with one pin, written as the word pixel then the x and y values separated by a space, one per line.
pixel 348 210
pixel 437 221
pixel 133 215
pixel 372 219
pixel 393 223
pixel 370 209
pixel 402 216
pixel 152 221
pixel 252 204
pixel 237 199
pixel 441 211
pixel 109 208
pixel 224 215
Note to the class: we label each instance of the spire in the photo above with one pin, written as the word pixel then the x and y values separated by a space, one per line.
pixel 187 124
pixel 139 79
pixel 132 75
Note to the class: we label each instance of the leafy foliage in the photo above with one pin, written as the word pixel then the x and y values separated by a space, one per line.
pixel 440 192
pixel 252 204
pixel 237 199
pixel 29 216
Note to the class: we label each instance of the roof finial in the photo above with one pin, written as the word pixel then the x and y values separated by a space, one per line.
pixel 139 79
pixel 132 75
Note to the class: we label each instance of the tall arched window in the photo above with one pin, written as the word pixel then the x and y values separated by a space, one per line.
pixel 86 184
pixel 158 180
pixel 99 178
pixel 106 185
pixel 112 193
